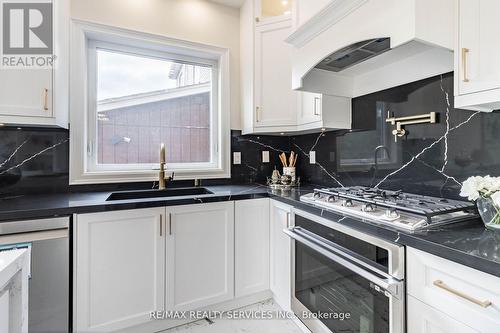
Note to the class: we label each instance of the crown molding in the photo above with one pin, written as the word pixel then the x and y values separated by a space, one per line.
pixel 335 11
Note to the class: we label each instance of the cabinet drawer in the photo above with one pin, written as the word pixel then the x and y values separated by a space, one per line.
pixel 455 290
pixel 423 318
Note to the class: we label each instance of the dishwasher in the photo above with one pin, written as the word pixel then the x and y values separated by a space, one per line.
pixel 47 244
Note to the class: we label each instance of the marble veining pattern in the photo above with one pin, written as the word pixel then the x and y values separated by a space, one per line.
pixel 29 158
pixel 225 325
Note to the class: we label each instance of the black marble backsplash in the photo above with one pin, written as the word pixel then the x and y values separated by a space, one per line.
pixel 431 159
pixel 33 160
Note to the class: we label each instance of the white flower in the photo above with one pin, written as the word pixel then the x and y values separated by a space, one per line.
pixel 491 184
pixel 496 199
pixel 471 188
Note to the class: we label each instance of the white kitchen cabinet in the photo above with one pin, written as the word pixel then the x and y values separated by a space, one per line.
pixel 200 255
pixel 280 254
pixel 453 290
pixel 26 93
pixel 119 268
pixel 323 111
pixel 40 96
pixel 275 101
pixel 268 103
pixel 477 70
pixel 423 318
pixel 251 229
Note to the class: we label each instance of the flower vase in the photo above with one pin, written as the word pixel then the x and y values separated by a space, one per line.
pixel 490 214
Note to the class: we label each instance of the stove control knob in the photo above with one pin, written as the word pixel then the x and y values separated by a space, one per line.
pixel 331 198
pixel 347 203
pixel 392 213
pixel 367 208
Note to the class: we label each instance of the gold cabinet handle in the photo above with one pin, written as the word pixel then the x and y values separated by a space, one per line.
pixel 170 224
pixel 161 225
pixel 465 52
pixel 46 99
pixel 444 286
pixel 257 115
pixel 257 19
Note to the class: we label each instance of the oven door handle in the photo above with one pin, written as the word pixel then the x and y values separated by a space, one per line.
pixel 391 285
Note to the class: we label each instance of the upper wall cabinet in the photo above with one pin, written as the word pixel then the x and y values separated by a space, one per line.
pixel 269 105
pixel 477 70
pixel 324 112
pixel 275 101
pixel 39 97
pixel 268 102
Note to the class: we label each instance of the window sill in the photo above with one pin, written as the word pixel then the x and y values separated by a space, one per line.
pixel 142 176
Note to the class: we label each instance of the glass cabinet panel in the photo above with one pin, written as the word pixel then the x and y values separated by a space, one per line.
pixel 272 8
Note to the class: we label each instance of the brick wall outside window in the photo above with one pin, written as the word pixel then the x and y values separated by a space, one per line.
pixel 133 134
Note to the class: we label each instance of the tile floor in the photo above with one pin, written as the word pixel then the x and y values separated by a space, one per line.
pixel 225 325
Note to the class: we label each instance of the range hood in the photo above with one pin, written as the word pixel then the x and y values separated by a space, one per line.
pixel 354 54
pixel 356 47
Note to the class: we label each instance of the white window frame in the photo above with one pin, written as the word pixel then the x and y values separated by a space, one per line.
pixel 86 37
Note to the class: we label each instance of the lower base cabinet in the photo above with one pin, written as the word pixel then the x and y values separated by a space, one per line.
pixel 200 255
pixel 423 318
pixel 251 246
pixel 120 268
pixel 280 254
pixel 130 263
pixel 447 297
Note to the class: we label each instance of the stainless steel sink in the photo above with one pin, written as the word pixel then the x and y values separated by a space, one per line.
pixel 171 192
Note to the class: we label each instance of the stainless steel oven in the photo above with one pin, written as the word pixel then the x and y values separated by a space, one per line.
pixel 344 280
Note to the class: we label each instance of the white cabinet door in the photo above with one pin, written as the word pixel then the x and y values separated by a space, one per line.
pixel 120 268
pixel 423 318
pixel 478 46
pixel 40 96
pixel 310 108
pixel 251 229
pixel 26 92
pixel 200 255
pixel 280 254
pixel 275 101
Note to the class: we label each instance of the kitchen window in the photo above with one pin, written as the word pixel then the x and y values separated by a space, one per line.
pixel 141 93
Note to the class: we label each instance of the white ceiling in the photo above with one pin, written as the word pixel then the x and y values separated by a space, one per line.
pixel 231 3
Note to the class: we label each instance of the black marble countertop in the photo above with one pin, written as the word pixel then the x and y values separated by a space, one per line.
pixel 467 243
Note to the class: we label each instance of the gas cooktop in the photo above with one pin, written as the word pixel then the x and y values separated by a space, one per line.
pixel 395 208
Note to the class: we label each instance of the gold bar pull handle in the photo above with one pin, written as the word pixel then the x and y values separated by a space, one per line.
pixel 46 99
pixel 444 286
pixel 257 114
pixel 170 224
pixel 161 225
pixel 465 52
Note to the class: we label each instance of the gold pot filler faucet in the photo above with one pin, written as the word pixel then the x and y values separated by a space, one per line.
pixel 410 120
pixel 161 174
